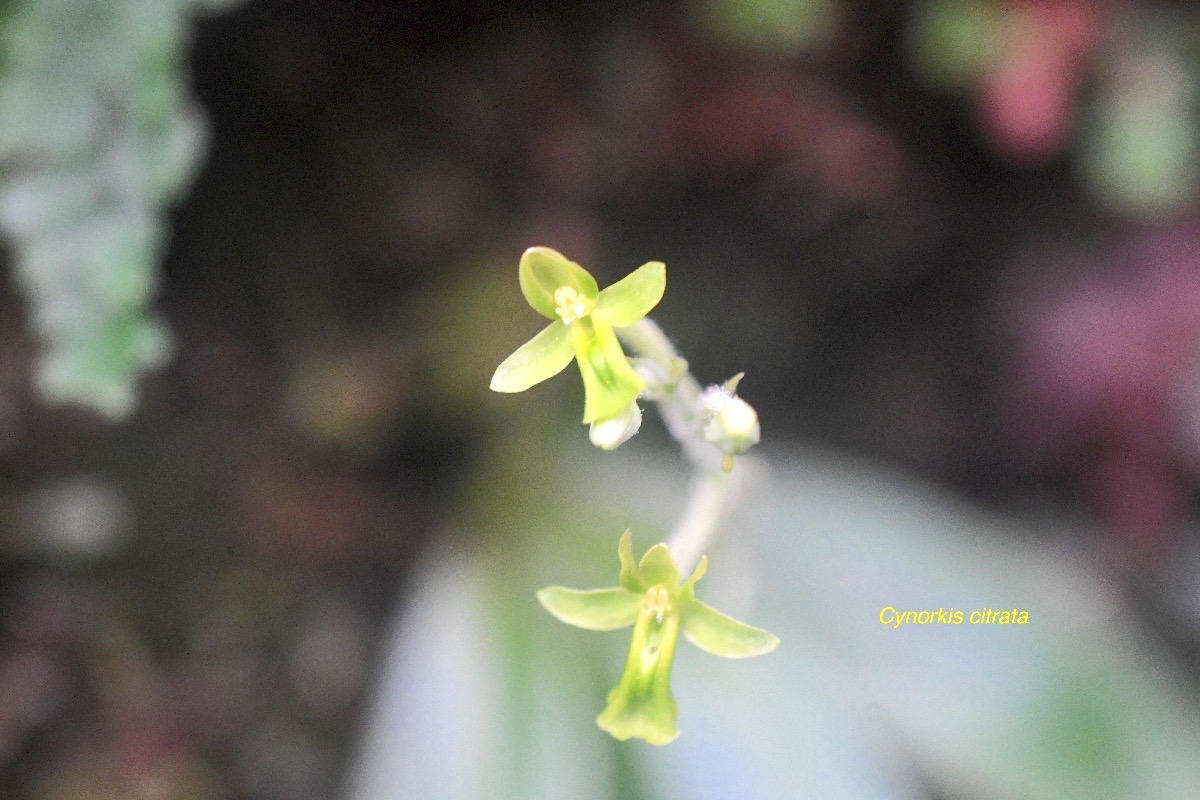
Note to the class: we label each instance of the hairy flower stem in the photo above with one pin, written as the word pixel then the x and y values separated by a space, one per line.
pixel 678 395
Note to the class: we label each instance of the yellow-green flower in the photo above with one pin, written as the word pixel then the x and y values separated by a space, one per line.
pixel 583 325
pixel 651 598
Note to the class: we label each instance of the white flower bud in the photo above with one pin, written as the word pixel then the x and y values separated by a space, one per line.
pixel 612 432
pixel 734 426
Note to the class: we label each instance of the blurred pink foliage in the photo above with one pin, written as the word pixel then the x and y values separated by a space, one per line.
pixel 1028 95
pixel 1106 384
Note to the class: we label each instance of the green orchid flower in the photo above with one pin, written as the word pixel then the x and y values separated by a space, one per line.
pixel 651 598
pixel 584 319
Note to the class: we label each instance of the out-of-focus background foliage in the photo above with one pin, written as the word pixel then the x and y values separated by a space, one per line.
pixel 266 534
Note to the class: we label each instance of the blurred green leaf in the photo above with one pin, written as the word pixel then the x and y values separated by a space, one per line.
pixel 98 134
pixel 952 41
pixel 1141 148
pixel 780 27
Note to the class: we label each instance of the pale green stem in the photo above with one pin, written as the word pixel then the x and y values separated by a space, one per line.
pixel 678 395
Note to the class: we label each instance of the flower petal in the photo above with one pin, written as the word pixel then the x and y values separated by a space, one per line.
pixel 721 635
pixel 632 297
pixel 687 592
pixel 630 578
pixel 595 609
pixel 610 383
pixel 658 566
pixel 543 270
pixel 542 357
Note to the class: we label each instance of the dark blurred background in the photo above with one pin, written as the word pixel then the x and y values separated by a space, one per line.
pixel 957 237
